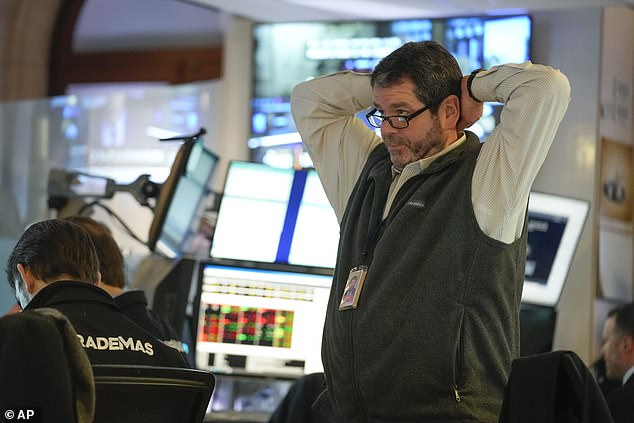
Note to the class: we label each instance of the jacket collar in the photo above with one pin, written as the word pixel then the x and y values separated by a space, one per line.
pixel 628 377
pixel 67 292
pixel 129 298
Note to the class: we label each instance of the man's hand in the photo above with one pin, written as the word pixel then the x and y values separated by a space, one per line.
pixel 470 109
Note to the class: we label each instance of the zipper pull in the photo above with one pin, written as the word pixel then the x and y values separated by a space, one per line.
pixel 455 391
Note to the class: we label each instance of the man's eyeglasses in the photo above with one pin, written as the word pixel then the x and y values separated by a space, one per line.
pixel 376 119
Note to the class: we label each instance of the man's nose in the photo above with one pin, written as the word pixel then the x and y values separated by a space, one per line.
pixel 387 129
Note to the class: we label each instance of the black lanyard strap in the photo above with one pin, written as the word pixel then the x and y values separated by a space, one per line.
pixel 380 187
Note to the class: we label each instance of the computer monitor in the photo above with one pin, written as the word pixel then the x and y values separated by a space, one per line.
pixel 537 328
pixel 180 198
pixel 555 224
pixel 260 320
pixel 173 296
pixel 275 215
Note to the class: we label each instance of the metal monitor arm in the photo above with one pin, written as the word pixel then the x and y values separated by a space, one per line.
pixel 65 185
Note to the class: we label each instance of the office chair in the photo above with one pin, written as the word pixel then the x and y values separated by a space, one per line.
pixel 44 366
pixel 553 387
pixel 298 401
pixel 143 394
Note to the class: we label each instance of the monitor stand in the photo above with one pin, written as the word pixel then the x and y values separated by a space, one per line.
pixel 537 328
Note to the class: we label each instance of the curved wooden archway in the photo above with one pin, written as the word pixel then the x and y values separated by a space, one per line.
pixel 171 66
pixel 26 28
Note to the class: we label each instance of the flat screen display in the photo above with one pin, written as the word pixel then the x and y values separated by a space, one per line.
pixel 288 53
pixel 275 215
pixel 555 225
pixel 112 129
pixel 259 320
pixel 180 198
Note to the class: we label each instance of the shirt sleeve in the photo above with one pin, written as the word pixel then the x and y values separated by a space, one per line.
pixel 339 143
pixel 535 100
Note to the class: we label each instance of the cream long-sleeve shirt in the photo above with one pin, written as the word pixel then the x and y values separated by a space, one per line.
pixel 535 100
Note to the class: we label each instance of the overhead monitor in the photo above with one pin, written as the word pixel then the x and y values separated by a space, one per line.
pixel 286 53
pixel 275 215
pixel 260 320
pixel 181 197
pixel 555 224
pixel 111 129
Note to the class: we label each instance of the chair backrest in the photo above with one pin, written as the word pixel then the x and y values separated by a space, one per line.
pixel 142 394
pixel 552 387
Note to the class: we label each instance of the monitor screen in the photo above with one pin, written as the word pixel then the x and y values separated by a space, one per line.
pixel 259 320
pixel 537 328
pixel 288 53
pixel 555 225
pixel 173 296
pixel 111 129
pixel 275 215
pixel 180 198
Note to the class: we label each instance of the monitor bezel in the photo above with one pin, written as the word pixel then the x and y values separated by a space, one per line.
pixel 240 264
pixel 285 264
pixel 163 206
pixel 576 212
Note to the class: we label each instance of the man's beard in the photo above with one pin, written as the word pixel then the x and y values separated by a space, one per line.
pixel 431 143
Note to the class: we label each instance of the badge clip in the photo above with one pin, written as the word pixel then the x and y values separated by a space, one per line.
pixel 352 291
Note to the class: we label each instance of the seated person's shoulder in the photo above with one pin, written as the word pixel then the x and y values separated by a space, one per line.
pixel 162 325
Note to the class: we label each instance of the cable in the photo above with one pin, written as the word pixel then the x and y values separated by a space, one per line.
pixel 115 216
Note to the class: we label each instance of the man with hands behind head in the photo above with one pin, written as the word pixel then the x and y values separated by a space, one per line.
pixel 432 229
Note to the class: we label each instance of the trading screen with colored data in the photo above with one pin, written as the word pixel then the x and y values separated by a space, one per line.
pixel 255 320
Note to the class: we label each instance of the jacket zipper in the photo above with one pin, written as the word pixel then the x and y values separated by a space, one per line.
pixel 458 369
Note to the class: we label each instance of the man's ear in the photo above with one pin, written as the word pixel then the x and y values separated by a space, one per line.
pixel 27 277
pixel 98 279
pixel 628 344
pixel 449 112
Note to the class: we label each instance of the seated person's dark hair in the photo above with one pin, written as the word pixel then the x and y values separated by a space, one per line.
pixel 111 263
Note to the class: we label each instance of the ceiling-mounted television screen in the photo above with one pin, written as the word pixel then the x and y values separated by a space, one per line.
pixel 288 53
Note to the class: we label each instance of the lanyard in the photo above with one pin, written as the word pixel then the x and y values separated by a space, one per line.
pixel 376 222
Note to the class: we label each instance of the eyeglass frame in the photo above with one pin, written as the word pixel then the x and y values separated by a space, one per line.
pixel 389 118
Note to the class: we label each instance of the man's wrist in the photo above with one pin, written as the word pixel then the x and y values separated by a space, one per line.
pixel 469 82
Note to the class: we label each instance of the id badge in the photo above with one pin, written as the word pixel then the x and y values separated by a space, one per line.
pixel 352 291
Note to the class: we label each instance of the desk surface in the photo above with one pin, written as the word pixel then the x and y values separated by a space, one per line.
pixel 234 416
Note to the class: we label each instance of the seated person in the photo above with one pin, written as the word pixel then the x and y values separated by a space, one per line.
pixel 606 384
pixel 54 264
pixel 56 384
pixel 132 303
pixel 618 353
